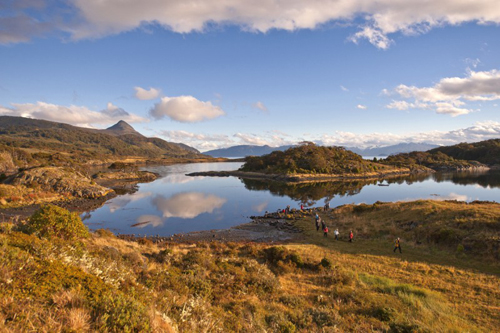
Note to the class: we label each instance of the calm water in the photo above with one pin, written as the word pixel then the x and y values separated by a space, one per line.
pixel 177 203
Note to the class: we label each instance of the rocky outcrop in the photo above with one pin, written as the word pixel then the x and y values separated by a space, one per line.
pixel 60 180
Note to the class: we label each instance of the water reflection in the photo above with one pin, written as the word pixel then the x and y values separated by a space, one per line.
pixel 183 205
pixel 308 193
pixel 123 200
pixel 178 203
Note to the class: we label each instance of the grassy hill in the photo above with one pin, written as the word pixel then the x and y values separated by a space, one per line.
pixel 311 159
pixel 487 152
pixel 103 283
pixel 435 160
pixel 27 140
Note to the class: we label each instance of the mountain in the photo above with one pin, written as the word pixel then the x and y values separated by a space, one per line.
pixel 51 140
pixel 244 150
pixel 487 152
pixel 394 149
pixel 121 128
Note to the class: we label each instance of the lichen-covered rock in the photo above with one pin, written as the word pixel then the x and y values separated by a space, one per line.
pixel 60 180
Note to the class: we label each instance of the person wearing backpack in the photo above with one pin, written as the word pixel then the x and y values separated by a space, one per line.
pixel 336 233
pixel 325 231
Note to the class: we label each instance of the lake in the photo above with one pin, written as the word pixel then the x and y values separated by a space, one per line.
pixel 176 203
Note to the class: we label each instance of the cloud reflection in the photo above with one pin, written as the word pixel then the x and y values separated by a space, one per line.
pixel 186 205
pixel 124 200
pixel 259 208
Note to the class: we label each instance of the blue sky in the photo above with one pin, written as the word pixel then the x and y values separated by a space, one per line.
pixel 364 74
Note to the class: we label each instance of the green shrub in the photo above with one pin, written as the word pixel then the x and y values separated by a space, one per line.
pixel 53 221
pixel 105 233
pixel 118 313
pixel 326 263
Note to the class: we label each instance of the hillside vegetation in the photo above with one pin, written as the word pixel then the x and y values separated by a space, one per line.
pixel 311 159
pixel 487 152
pixel 25 142
pixel 51 282
pixel 435 160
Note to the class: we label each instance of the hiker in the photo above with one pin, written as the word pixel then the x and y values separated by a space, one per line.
pixel 336 233
pixel 351 236
pixel 317 223
pixel 317 217
pixel 325 231
pixel 323 225
pixel 327 206
pixel 287 209
pixel 397 245
pixel 301 207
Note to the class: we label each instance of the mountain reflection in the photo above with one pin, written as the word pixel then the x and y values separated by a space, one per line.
pixel 186 205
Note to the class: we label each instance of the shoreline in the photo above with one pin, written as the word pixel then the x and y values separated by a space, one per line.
pixel 271 228
pixel 300 178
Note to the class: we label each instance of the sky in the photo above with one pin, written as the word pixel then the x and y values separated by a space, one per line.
pixel 215 74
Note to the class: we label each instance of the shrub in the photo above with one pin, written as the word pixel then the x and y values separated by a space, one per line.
pixel 326 263
pixel 105 233
pixel 53 221
pixel 118 313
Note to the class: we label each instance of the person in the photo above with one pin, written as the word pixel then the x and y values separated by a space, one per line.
pixel 288 209
pixel 323 224
pixel 336 233
pixel 325 231
pixel 397 245
pixel 327 206
pixel 351 236
pixel 301 207
pixel 317 223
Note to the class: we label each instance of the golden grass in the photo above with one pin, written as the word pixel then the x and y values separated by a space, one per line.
pixel 229 287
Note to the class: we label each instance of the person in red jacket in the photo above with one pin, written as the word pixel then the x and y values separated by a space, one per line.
pixel 351 236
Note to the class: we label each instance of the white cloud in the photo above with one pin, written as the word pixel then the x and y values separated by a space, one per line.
pixel 188 205
pixel 251 139
pixel 449 95
pixel 185 109
pixel 205 142
pixel 362 107
pixel 478 132
pixel 344 88
pixel 377 19
pixel 147 94
pixel 260 106
pixel 73 114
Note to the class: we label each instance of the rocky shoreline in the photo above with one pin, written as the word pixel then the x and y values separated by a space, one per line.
pixel 271 228
pixel 301 178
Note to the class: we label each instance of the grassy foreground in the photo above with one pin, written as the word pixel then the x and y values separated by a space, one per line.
pixel 50 282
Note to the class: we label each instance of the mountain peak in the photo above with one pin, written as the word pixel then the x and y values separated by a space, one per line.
pixel 121 128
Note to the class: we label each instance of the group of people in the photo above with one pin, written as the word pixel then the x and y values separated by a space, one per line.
pixel 324 227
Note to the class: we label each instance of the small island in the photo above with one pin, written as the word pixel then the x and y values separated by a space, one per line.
pixel 311 163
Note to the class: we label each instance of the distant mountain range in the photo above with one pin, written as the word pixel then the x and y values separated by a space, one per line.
pixel 244 150
pixel 392 150
pixel 249 150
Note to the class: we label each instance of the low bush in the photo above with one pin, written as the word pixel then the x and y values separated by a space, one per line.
pixel 52 221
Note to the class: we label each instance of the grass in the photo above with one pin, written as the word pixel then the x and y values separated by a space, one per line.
pixel 103 283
